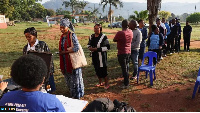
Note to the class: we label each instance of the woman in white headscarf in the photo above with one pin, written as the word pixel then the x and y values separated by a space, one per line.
pixel 73 77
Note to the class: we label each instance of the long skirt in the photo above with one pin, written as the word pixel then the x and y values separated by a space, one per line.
pixel 75 83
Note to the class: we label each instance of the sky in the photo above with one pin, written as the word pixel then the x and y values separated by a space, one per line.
pixel 141 1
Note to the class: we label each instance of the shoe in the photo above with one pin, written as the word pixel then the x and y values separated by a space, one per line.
pixel 161 58
pixel 106 87
pixel 171 53
pixel 188 50
pixel 164 55
pixel 133 78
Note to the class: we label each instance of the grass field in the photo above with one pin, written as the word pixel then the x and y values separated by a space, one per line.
pixel 179 68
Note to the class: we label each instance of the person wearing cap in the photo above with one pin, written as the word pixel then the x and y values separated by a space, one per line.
pixel 186 36
pixel 72 76
pixel 124 39
pixel 178 38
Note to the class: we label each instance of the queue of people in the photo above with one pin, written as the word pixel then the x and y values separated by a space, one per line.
pixel 29 71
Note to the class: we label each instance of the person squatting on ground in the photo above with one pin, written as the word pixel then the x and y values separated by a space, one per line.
pixel 135 46
pixel 99 45
pixel 124 39
pixel 143 43
pixel 73 77
pixel 40 46
pixel 155 42
pixel 186 36
pixel 29 71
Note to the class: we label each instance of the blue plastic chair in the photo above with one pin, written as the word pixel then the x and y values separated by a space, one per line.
pixel 149 68
pixel 197 83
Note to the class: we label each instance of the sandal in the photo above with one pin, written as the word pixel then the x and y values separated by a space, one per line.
pixel 98 85
pixel 106 87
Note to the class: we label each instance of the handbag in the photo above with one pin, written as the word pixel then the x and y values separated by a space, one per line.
pixel 77 58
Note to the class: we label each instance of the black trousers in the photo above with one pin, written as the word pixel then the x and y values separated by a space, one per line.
pixel 187 42
pixel 123 60
pixel 177 43
pixel 170 43
pixel 158 54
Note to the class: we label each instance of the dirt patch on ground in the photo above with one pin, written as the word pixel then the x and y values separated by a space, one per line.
pixel 193 43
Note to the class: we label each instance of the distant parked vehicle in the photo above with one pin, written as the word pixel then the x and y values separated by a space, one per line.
pixel 116 25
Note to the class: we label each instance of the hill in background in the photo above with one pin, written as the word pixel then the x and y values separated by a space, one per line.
pixel 129 7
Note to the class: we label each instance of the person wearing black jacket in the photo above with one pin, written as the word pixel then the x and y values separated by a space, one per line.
pixel 173 35
pixel 186 35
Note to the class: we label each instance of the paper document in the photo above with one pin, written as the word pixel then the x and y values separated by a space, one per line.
pixel 72 105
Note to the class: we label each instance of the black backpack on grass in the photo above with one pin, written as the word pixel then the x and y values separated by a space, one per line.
pixel 107 105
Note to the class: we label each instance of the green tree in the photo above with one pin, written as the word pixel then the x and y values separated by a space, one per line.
pixel 62 12
pixel 81 5
pixel 139 15
pixel 6 9
pixel 120 18
pixel 50 12
pixel 194 18
pixel 72 4
pixel 111 3
pixel 164 14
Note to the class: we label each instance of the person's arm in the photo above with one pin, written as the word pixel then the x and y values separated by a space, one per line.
pixel 3 86
pixel 89 42
pixel 75 43
pixel 168 30
pixel 106 46
pixel 145 34
pixel 138 39
pixel 161 40
pixel 116 38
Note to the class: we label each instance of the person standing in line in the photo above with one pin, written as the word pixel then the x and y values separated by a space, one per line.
pixel 144 37
pixel 166 36
pixel 186 36
pixel 173 35
pixel 99 45
pixel 154 42
pixel 72 76
pixel 135 46
pixel 178 38
pixel 124 39
pixel 161 31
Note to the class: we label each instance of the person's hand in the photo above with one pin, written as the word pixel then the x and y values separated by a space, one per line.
pixel 3 85
pixel 160 47
pixel 62 52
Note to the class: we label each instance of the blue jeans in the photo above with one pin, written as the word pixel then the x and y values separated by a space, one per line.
pixel 134 58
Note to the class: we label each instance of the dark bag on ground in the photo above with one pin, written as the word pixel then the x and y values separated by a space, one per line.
pixel 107 105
